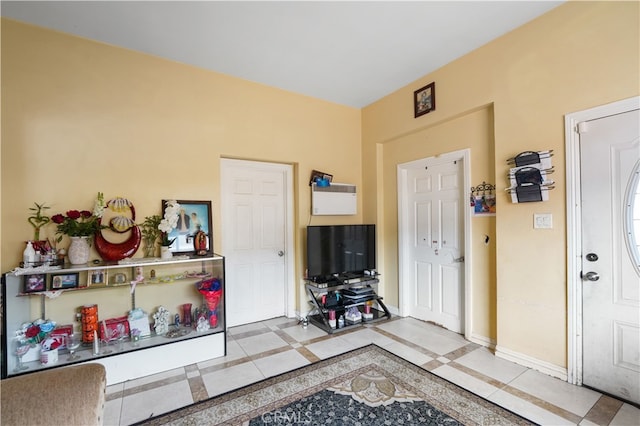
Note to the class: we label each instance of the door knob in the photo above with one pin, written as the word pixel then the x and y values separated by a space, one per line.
pixel 591 276
pixel 280 253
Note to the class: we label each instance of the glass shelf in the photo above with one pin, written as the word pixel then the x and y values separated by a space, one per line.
pixel 148 261
pixel 85 352
pixel 170 283
pixel 320 317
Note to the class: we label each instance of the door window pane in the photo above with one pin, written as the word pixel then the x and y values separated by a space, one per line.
pixel 632 224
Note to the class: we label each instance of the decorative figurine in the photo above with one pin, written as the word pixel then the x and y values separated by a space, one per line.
pixel 203 323
pixel 200 242
pixel 161 325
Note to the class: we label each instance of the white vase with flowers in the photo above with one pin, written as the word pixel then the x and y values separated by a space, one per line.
pixel 80 226
pixel 168 224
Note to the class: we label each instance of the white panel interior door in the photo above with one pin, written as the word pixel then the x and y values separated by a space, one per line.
pixel 436 243
pixel 255 240
pixel 610 153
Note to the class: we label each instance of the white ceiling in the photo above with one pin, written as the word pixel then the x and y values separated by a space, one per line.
pixel 350 53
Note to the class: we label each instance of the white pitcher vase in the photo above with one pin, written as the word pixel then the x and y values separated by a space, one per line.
pixel 79 250
pixel 165 252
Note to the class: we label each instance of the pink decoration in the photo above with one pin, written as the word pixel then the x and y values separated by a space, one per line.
pixel 211 290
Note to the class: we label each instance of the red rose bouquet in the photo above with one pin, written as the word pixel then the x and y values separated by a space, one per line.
pixel 77 223
pixel 80 223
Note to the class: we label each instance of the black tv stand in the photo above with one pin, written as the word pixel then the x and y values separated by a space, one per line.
pixel 355 291
pixel 344 278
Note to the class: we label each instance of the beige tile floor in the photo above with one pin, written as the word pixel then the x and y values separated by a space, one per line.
pixel 260 350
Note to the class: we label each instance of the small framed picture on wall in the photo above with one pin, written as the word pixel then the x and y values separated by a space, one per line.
pixel 424 100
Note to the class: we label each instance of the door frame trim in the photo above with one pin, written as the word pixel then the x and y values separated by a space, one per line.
pixel 461 155
pixel 289 249
pixel 574 226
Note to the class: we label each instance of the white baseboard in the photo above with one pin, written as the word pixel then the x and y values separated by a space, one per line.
pixel 483 340
pixel 501 352
pixel 533 363
pixel 393 310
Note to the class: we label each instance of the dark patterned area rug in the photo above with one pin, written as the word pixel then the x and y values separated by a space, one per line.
pixel 367 386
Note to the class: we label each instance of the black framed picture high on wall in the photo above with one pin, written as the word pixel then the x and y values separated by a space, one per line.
pixel 424 99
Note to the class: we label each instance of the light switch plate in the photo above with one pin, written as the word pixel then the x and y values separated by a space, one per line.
pixel 542 221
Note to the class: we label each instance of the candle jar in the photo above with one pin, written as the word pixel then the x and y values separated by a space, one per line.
pixel 332 319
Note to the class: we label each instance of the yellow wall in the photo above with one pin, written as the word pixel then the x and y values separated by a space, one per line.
pixel 470 130
pixel 577 56
pixel 80 117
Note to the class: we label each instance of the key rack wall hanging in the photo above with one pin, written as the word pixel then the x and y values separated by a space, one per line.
pixel 529 178
pixel 483 199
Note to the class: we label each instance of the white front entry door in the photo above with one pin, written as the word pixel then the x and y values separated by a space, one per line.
pixel 610 154
pixel 434 245
pixel 256 207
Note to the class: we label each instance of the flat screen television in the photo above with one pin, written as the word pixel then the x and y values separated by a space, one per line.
pixel 340 250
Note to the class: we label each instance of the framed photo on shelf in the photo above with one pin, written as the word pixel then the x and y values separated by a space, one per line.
pixel 35 282
pixel 194 233
pixel 424 100
pixel 114 328
pixel 97 277
pixel 316 174
pixel 119 278
pixel 61 281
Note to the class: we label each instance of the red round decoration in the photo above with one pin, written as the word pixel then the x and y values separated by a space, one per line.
pixel 118 251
